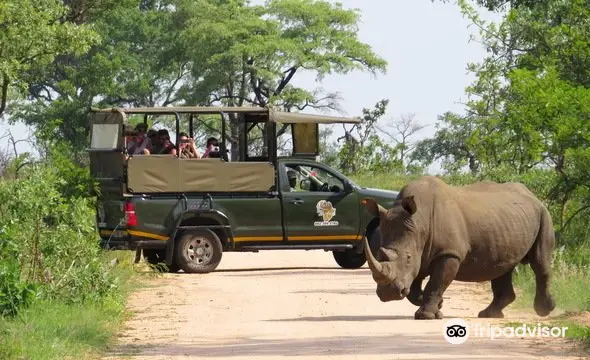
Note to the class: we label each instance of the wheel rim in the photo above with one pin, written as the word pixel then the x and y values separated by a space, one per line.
pixel 199 250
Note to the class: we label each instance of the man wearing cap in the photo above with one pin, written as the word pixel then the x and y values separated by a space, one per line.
pixel 141 144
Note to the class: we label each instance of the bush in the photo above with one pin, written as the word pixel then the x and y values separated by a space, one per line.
pixel 53 240
pixel 14 293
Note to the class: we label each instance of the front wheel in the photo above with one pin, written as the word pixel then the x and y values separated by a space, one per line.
pixel 349 259
pixel 198 251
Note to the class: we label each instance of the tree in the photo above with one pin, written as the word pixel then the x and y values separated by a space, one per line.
pixel 400 131
pixel 32 34
pixel 159 53
pixel 502 5
pixel 529 104
pixel 362 149
pixel 261 49
pixel 135 64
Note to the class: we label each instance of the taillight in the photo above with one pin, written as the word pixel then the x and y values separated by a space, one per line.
pixel 130 216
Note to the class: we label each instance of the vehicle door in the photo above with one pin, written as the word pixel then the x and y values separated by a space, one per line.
pixel 319 207
pixel 107 166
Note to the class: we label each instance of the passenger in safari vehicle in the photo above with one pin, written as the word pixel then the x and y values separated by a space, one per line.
pixel 140 143
pixel 187 147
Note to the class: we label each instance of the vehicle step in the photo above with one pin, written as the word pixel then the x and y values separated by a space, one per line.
pixel 296 247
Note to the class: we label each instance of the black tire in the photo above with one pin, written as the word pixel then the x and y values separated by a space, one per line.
pixel 198 251
pixel 349 259
pixel 157 258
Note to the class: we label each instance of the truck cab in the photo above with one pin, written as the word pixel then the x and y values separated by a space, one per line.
pixel 188 212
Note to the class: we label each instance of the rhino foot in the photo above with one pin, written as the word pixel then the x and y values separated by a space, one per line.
pixel 427 315
pixel 490 313
pixel 544 305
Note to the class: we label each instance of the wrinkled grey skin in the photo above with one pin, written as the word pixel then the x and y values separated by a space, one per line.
pixel 474 233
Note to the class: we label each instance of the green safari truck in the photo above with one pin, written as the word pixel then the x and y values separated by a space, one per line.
pixel 188 212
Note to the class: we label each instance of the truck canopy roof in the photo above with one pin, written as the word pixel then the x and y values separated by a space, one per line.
pixel 272 115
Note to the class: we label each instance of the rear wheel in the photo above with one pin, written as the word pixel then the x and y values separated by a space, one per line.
pixel 198 251
pixel 349 259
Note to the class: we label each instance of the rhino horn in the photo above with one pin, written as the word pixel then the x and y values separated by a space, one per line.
pixel 376 267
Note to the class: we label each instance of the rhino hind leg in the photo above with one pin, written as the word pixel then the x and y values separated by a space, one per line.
pixel 442 274
pixel 544 302
pixel 503 296
pixel 540 257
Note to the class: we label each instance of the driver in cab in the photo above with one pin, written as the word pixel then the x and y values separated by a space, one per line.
pixel 292 176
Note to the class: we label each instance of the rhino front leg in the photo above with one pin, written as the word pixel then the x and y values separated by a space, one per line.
pixel 415 295
pixel 442 274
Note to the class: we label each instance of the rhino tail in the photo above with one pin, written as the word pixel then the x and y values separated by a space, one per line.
pixel 542 250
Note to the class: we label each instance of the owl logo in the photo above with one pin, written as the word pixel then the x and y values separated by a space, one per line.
pixel 325 210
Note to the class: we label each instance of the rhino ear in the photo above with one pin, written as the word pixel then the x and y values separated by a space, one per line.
pixel 374 208
pixel 409 204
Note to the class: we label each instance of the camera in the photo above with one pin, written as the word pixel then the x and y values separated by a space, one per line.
pixel 215 152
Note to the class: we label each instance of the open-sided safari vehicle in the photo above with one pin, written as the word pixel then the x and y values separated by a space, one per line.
pixel 187 212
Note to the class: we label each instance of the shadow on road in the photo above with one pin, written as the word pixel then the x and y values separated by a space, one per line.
pixel 281 268
pixel 292 271
pixel 347 318
pixel 346 291
pixel 393 345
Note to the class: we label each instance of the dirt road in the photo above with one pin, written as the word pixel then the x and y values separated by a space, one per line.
pixel 301 305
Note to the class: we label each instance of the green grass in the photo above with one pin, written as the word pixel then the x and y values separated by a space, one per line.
pixel 54 330
pixel 383 181
pixel 569 286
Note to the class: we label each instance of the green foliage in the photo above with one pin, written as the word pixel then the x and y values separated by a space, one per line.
pixel 194 52
pixel 33 35
pixel 527 115
pixel 52 239
pixel 14 293
pixel 570 289
pixel 58 289
pixel 50 329
pixel 363 151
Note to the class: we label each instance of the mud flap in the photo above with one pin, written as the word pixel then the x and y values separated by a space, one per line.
pixel 170 250
pixel 360 248
pixel 137 255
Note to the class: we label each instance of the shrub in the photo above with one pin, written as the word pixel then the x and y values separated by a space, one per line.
pixel 14 293
pixel 53 240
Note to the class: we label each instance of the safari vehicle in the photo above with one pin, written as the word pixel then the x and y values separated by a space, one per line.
pixel 187 212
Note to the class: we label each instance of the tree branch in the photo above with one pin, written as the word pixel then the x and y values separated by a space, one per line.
pixel 181 74
pixel 4 92
pixel 576 213
pixel 285 80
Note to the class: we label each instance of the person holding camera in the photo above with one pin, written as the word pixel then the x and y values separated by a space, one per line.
pixel 187 147
pixel 212 150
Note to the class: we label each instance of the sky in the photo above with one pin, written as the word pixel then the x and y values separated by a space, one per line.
pixel 426 45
